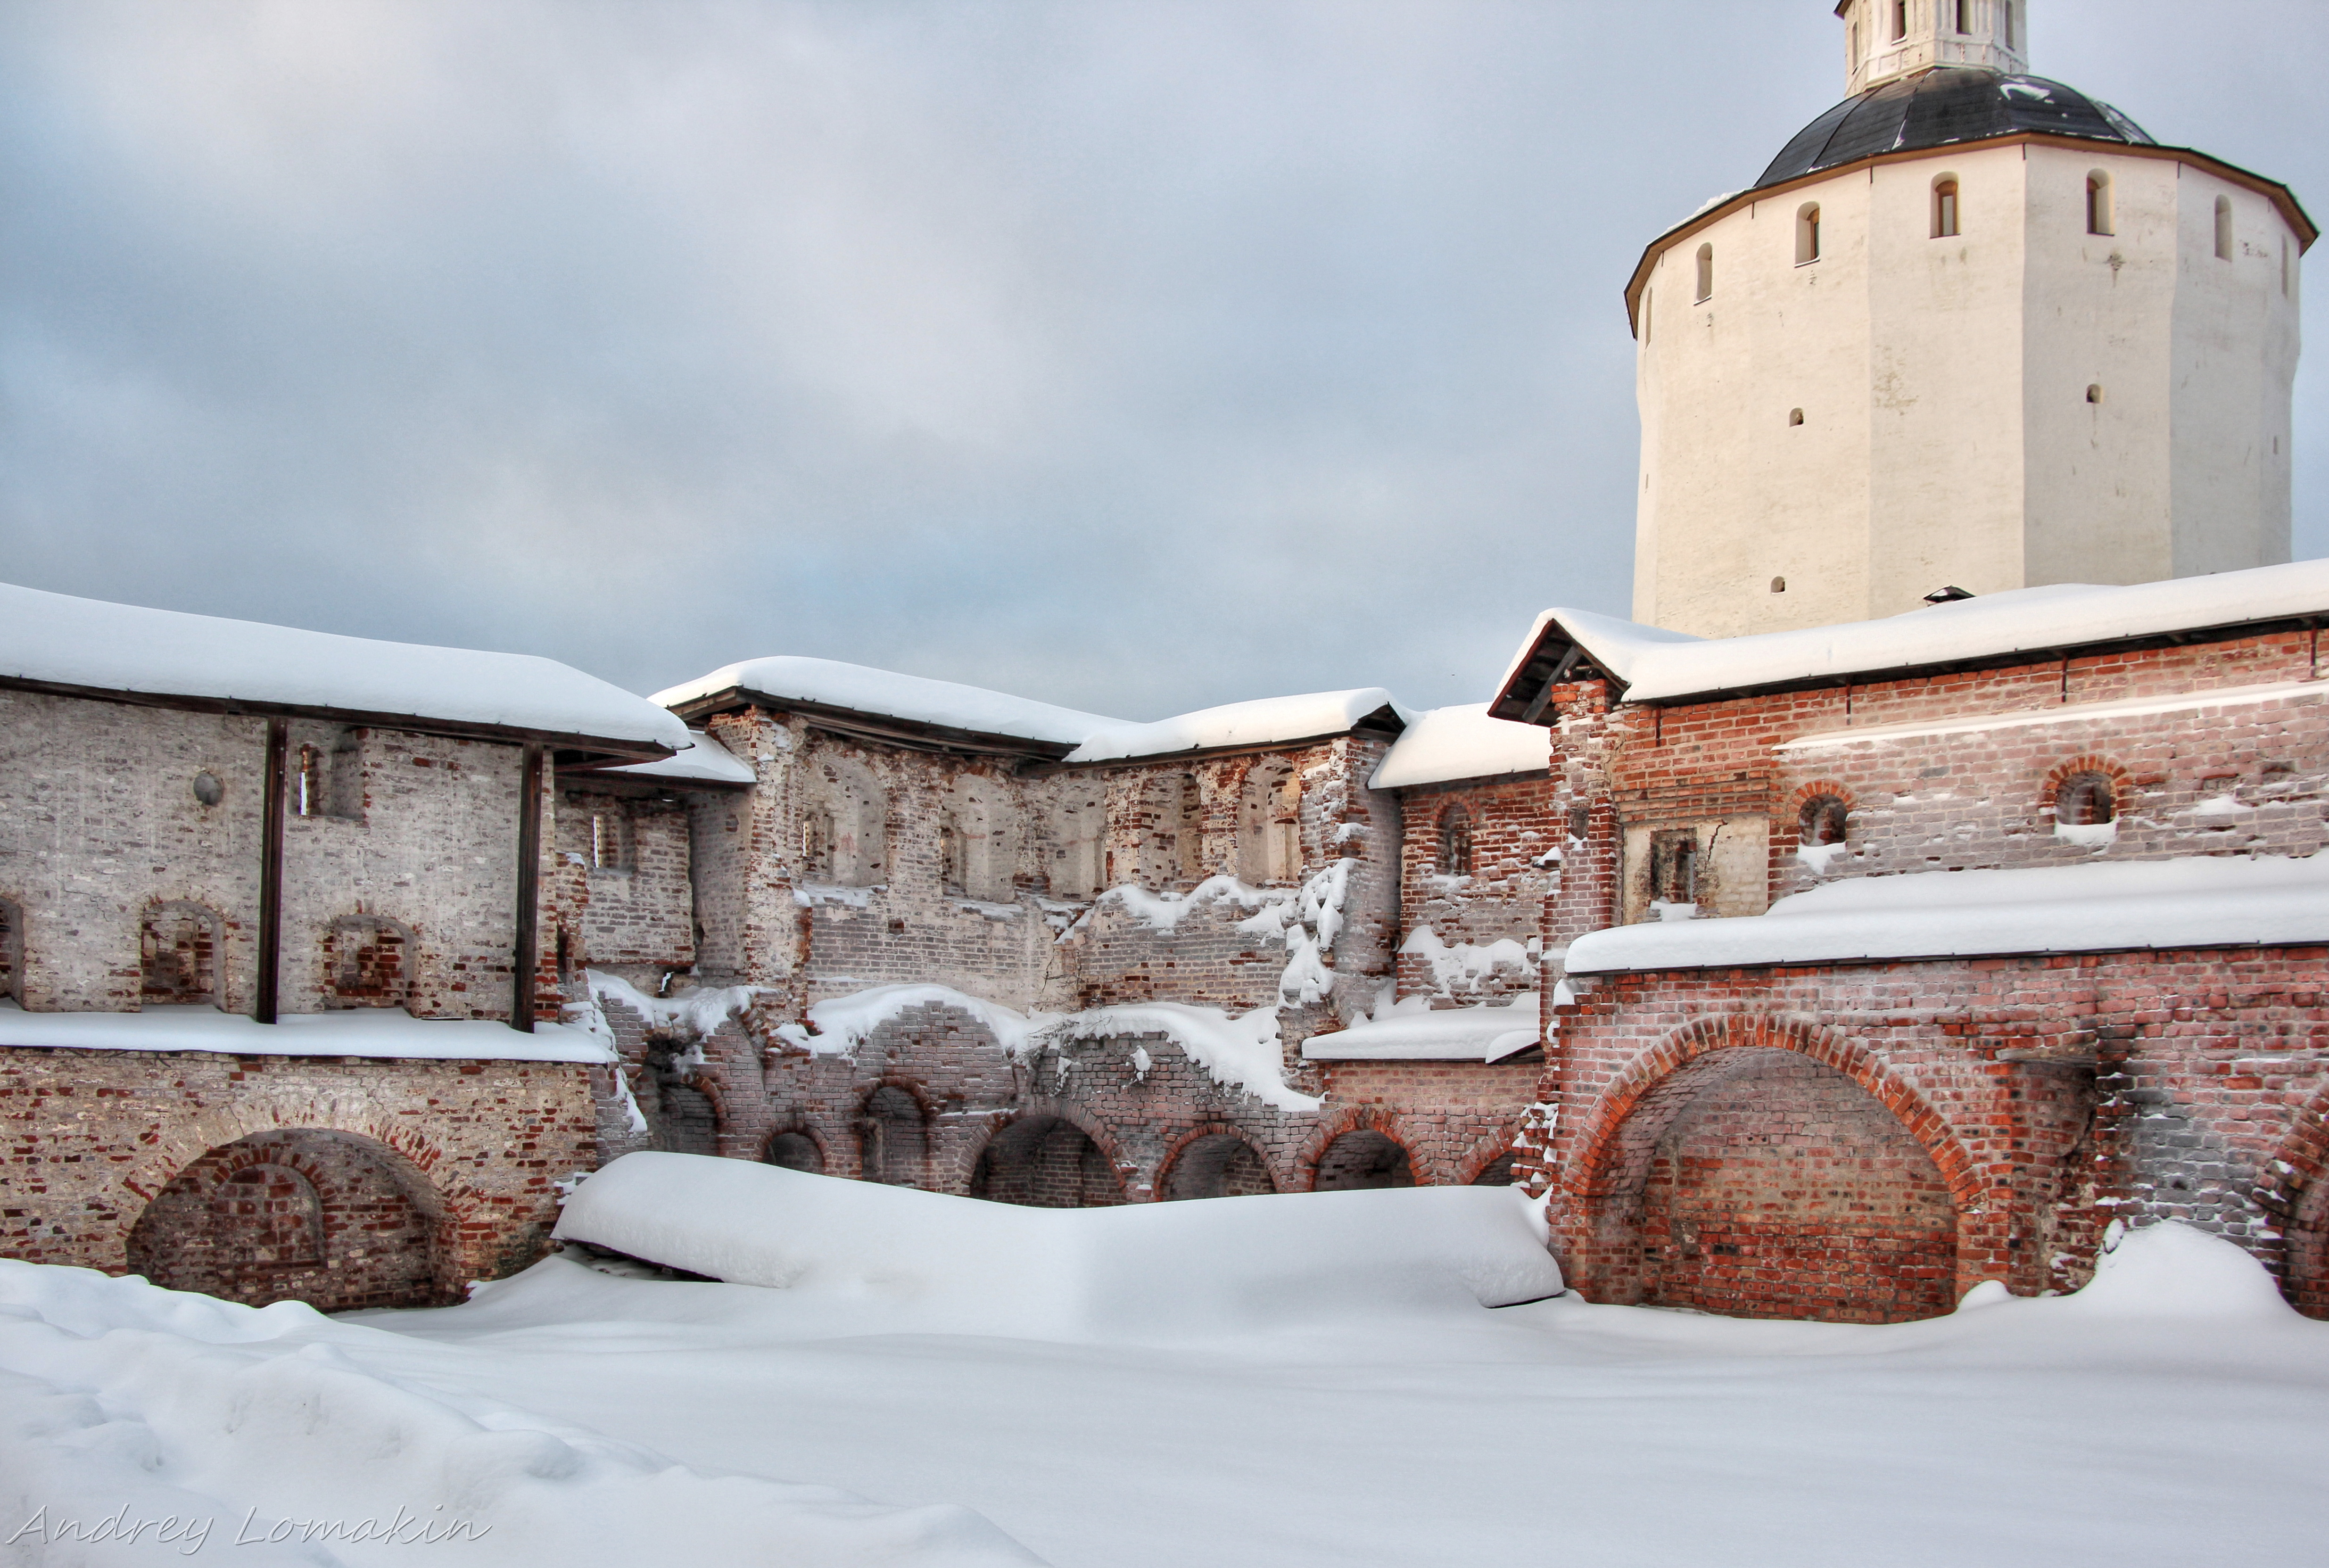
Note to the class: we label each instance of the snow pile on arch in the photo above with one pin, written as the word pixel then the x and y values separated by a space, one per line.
pixel 253 1433
pixel 909 1259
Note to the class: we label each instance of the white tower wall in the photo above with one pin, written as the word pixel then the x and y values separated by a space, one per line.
pixel 1947 435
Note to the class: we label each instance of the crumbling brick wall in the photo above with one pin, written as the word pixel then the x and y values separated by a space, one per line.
pixel 95 1137
pixel 1509 837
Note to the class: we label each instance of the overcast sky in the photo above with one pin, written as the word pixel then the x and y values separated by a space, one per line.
pixel 1133 355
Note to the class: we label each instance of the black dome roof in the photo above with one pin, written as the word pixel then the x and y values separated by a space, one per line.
pixel 1941 106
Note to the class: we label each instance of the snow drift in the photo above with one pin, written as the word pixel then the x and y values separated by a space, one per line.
pixel 961 1265
pixel 259 1437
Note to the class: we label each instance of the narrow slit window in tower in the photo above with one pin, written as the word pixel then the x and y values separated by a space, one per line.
pixel 1706 272
pixel 1899 20
pixel 2098 204
pixel 2223 227
pixel 1808 233
pixel 1945 208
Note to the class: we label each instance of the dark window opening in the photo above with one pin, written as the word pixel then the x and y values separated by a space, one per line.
pixel 2086 799
pixel 1674 866
pixel 1824 820
pixel 1455 842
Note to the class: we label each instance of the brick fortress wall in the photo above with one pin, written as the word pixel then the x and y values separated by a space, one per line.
pixel 118 1160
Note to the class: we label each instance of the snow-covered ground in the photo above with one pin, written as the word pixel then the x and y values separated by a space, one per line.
pixel 1289 1382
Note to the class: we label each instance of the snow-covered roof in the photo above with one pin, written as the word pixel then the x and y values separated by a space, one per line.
pixel 1265 721
pixel 883 693
pixel 381 1032
pixel 2116 906
pixel 1421 1033
pixel 1654 665
pixel 1463 742
pixel 87 644
pixel 703 760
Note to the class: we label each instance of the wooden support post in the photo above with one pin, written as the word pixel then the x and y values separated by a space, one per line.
pixel 529 890
pixel 270 872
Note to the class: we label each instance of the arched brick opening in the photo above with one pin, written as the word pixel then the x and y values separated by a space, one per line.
pixel 683 1116
pixel 795 1151
pixel 1752 1168
pixel 1496 1173
pixel 894 1138
pixel 334 1219
pixel 1216 1164
pixel 1363 1157
pixel 1045 1162
pixel 2299 1200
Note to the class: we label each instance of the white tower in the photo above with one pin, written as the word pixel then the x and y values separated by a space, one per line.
pixel 1970 328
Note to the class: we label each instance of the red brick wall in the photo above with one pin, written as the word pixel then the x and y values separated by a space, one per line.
pixel 1514 825
pixel 1975 797
pixel 93 1138
pixel 2051 1094
pixel 328 1218
pixel 1784 1190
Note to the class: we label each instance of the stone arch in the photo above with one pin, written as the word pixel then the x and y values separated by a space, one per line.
pixel 1269 823
pixel 893 1135
pixel 845 821
pixel 1809 802
pixel 1048 1158
pixel 180 944
pixel 984 820
pixel 1214 1161
pixel 795 1148
pixel 1171 823
pixel 1360 1158
pixel 2079 771
pixel 1693 1186
pixel 322 1216
pixel 684 1108
pixel 2296 1192
pixel 1491 1166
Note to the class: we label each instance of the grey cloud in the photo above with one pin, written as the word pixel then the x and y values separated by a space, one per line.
pixel 1134 356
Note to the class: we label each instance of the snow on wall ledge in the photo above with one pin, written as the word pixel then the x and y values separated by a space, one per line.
pixel 1264 721
pixel 703 760
pixel 1240 1052
pixel 962 1265
pixel 2196 902
pixel 1416 1031
pixel 884 694
pixel 1660 666
pixel 376 1032
pixel 121 648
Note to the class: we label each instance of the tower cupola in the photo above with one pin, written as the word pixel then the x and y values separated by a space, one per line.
pixel 1885 40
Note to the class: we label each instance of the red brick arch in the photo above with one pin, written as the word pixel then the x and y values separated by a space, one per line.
pixel 1356 1118
pixel 1599 1166
pixel 2295 1190
pixel 1051 1109
pixel 2122 782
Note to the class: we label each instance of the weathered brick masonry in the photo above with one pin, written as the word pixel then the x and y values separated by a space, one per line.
pixel 121 1159
pixel 1868 1141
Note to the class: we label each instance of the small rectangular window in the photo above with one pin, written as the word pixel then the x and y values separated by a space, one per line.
pixel 2223 227
pixel 1899 20
pixel 1944 209
pixel 2098 204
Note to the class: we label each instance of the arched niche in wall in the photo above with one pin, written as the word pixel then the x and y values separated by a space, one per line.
pixel 1269 823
